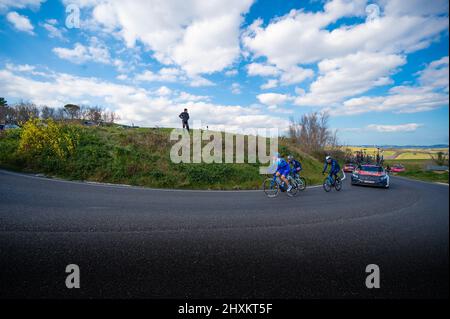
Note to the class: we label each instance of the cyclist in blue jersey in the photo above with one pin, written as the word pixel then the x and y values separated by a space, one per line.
pixel 296 165
pixel 334 167
pixel 283 170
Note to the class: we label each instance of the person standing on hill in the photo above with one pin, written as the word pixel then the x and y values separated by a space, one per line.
pixel 184 116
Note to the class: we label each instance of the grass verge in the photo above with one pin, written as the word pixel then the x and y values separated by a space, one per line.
pixel 139 156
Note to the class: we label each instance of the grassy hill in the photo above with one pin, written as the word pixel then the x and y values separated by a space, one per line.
pixel 137 156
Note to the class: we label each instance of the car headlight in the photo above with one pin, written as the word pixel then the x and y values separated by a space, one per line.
pixel 355 175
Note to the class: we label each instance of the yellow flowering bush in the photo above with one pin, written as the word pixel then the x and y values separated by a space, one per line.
pixel 49 139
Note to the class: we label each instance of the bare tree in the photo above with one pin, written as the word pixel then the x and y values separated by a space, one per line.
pixel 3 110
pixel 313 134
pixel 110 117
pixel 94 114
pixel 23 111
pixel 47 113
pixel 440 158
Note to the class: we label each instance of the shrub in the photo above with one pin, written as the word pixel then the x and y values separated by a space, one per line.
pixel 47 141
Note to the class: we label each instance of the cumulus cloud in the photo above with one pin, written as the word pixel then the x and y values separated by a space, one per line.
pixel 270 84
pixel 20 22
pixel 353 57
pixel 255 69
pixel 288 76
pixel 200 38
pixel 133 104
pixel 188 97
pixel 20 4
pixel 95 52
pixel 51 25
pixel 303 37
pixel 236 88
pixel 273 99
pixel 410 127
pixel 350 75
pixel 430 94
pixel 163 75
pixel 436 74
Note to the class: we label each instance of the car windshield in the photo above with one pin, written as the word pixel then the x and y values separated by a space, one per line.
pixel 371 168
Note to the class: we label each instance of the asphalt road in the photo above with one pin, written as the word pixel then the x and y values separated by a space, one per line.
pixel 144 243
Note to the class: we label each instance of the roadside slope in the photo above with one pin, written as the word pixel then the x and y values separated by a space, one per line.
pixel 138 156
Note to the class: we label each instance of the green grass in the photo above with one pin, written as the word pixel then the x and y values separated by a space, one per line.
pixel 415 169
pixel 413 155
pixel 141 157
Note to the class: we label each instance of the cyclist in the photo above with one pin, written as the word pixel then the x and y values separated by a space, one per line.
pixel 297 166
pixel 283 170
pixel 335 168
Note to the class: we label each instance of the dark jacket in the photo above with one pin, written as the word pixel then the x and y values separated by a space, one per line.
pixel 334 166
pixel 184 116
pixel 297 165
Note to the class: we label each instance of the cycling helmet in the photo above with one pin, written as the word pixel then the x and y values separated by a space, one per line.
pixel 290 157
pixel 328 158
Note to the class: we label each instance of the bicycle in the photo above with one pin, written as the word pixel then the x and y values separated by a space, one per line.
pixel 301 182
pixel 329 182
pixel 272 186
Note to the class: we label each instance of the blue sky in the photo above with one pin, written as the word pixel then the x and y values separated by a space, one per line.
pixel 379 68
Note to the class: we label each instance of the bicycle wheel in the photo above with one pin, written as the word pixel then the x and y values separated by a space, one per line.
pixel 271 188
pixel 301 183
pixel 327 185
pixel 294 188
pixel 338 184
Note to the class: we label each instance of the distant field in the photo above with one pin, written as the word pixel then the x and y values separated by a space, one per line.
pixel 401 153
pixel 413 155
pixel 415 169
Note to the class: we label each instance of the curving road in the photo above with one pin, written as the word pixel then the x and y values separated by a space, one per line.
pixel 146 243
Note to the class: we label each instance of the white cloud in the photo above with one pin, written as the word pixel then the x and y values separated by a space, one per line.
pixel 436 74
pixel 348 76
pixel 51 25
pixel 401 99
pixel 188 97
pixel 255 69
pixel 295 74
pixel 288 76
pixel 270 84
pixel 20 22
pixel 198 81
pixel 200 38
pixel 414 7
pixel 410 127
pixel 303 37
pixel 122 77
pixel 20 4
pixel 163 75
pixel 95 52
pixel 273 99
pixel 430 94
pixel 236 88
pixel 133 104
pixel 231 72
pixel 166 74
pixel 163 91
pixel 19 67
